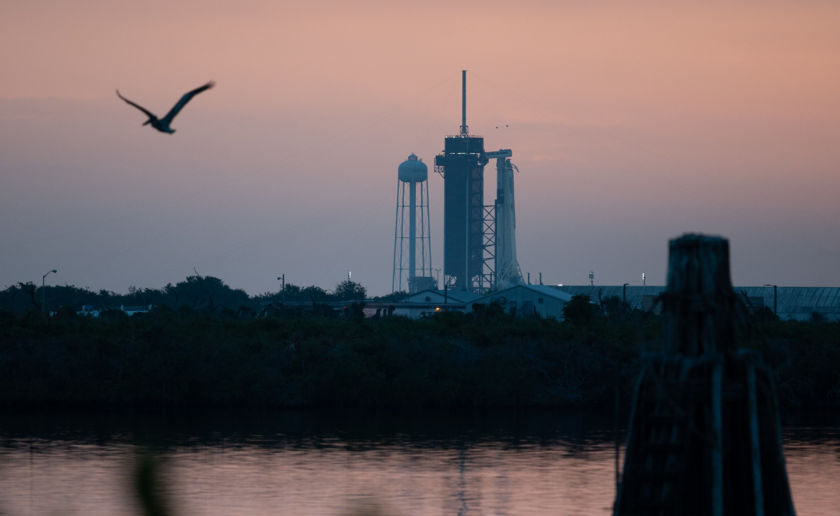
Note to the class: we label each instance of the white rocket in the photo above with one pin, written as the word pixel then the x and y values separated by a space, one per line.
pixel 507 266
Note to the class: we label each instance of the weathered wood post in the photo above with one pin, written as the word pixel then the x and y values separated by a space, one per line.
pixel 704 433
pixel 699 303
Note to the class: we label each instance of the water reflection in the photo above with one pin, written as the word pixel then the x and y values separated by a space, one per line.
pixel 333 464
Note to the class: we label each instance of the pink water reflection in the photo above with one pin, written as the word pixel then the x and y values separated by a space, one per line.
pixel 335 477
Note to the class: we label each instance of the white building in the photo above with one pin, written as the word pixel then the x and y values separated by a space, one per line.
pixel 427 302
pixel 528 300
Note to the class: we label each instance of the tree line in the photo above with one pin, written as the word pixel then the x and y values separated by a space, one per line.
pixel 184 356
pixel 195 292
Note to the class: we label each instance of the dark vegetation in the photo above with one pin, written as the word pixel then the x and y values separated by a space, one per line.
pixel 172 358
pixel 196 292
pixel 200 351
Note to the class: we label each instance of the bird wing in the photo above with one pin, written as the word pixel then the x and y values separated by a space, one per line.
pixel 141 108
pixel 183 102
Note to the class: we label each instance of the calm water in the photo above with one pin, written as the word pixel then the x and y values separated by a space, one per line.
pixel 318 464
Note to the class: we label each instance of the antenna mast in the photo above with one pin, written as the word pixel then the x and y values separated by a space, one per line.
pixel 464 129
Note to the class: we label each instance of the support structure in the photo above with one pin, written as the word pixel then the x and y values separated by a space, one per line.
pixel 487 280
pixel 462 167
pixel 704 435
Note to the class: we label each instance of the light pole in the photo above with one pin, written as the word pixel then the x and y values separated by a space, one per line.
pixel 44 290
pixel 775 298
pixel 282 279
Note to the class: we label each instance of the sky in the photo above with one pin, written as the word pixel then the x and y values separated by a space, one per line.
pixel 631 123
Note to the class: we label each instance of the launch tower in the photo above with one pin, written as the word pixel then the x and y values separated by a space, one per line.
pixel 462 167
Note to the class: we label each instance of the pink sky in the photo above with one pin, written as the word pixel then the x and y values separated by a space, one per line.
pixel 631 123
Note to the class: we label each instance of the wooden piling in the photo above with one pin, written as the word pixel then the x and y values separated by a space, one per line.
pixel 703 437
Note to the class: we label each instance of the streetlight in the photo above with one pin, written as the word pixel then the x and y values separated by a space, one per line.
pixel 775 298
pixel 44 290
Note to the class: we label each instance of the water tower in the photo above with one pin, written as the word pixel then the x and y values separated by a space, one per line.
pixel 412 244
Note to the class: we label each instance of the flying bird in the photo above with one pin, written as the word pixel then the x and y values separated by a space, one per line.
pixel 162 124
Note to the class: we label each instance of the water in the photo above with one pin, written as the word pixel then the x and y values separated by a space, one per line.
pixel 320 464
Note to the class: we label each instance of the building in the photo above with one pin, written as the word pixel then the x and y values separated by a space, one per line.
pixel 638 297
pixel 426 303
pixel 789 303
pixel 528 300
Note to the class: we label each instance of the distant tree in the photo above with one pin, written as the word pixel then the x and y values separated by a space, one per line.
pixel 354 312
pixel 579 310
pixel 613 306
pixel 350 291
pixel 205 292
pixel 171 294
pixel 314 294
pixel 29 289
pixel 393 296
pixel 20 298
pixel 291 293
pixel 72 297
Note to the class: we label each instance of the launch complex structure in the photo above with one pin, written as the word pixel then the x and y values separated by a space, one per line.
pixel 479 241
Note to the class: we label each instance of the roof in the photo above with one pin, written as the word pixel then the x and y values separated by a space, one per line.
pixel 543 290
pixel 437 296
pixel 633 294
pixel 788 299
